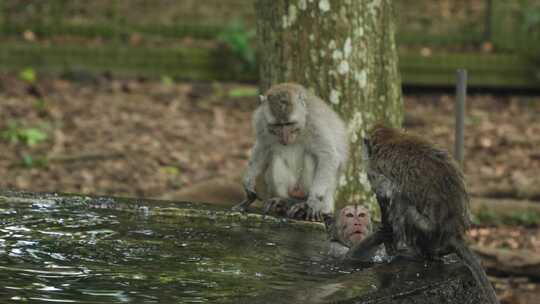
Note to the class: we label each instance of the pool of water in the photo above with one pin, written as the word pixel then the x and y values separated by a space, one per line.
pixel 70 253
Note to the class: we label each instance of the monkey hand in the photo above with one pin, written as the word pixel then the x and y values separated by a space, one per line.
pixel 278 205
pixel 251 196
pixel 303 211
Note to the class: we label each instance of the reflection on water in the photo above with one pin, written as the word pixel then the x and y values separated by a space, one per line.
pixel 51 252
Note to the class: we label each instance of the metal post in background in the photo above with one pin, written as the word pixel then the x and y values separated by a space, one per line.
pixel 461 94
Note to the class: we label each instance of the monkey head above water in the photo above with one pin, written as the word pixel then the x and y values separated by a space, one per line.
pixel 301 149
pixel 352 225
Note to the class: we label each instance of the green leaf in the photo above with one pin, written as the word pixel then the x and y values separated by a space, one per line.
pixel 170 170
pixel 242 92
pixel 28 161
pixel 11 134
pixel 28 75
pixel 15 133
pixel 167 80
pixel 238 40
pixel 40 104
pixel 32 136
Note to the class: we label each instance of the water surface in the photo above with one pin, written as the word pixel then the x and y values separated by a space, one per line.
pixel 70 253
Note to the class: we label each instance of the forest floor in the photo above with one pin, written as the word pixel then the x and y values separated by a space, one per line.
pixel 151 139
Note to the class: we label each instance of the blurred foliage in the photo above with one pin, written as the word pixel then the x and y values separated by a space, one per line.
pixel 531 27
pixel 28 75
pixel 28 161
pixel 171 170
pixel 242 92
pixel 16 133
pixel 178 38
pixel 239 41
pixel 531 18
pixel 40 105
pixel 487 216
pixel 424 22
pixel 167 80
pixel 524 218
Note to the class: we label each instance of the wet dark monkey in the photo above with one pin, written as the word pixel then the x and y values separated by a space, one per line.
pixel 423 200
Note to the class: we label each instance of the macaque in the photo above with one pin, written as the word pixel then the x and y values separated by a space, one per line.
pixel 351 225
pixel 301 148
pixel 423 199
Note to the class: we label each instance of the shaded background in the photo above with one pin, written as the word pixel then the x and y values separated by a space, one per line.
pixel 182 38
pixel 147 98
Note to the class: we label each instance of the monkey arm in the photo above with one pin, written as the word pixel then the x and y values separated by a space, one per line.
pixel 366 249
pixel 258 161
pixel 418 220
pixel 407 223
pixel 324 181
pixel 321 193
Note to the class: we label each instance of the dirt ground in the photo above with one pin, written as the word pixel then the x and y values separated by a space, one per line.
pixel 152 139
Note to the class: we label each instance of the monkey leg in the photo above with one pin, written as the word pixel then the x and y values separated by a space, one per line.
pixel 298 193
pixel 315 208
pixel 418 220
pixel 386 228
pixel 414 233
pixel 278 205
pixel 407 254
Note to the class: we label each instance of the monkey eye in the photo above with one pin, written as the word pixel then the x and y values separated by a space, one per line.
pixel 349 214
pixel 283 124
pixel 362 214
pixel 288 124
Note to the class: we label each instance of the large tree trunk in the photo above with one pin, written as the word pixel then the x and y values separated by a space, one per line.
pixel 345 51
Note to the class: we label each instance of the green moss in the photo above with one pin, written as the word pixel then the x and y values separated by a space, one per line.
pixel 487 216
pixel 210 64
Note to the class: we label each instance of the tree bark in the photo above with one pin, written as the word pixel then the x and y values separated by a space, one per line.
pixel 343 50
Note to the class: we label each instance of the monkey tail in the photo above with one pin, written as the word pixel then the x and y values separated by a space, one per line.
pixel 472 262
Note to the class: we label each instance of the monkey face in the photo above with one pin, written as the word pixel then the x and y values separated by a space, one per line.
pixel 286 128
pixel 285 113
pixel 286 133
pixel 354 224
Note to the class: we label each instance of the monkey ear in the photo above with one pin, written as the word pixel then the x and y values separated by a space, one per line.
pixel 262 99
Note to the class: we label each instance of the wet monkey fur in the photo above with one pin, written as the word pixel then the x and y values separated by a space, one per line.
pixel 423 200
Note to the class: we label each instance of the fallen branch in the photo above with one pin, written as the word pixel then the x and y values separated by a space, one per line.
pixel 506 211
pixel 524 192
pixel 85 157
pixel 510 262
